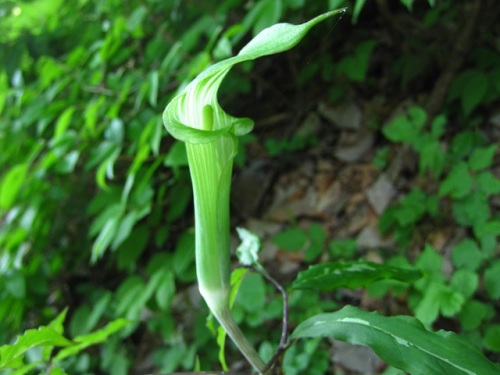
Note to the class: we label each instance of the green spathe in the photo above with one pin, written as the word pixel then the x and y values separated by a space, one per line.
pixel 195 117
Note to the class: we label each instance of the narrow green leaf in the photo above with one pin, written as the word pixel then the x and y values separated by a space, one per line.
pixel 401 341
pixel 31 338
pixel 358 7
pixel 133 246
pixel 91 115
pixel 221 343
pixel 129 297
pixel 237 277
pixel 99 307
pixel 165 291
pixel 408 4
pixel 106 168
pixel 125 226
pixel 11 184
pixel 63 122
pixel 93 338
pixel 330 276
pixel 105 238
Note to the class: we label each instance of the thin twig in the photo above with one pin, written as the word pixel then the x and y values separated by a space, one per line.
pixel 284 331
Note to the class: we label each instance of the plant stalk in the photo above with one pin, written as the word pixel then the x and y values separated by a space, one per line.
pixel 211 135
pixel 226 320
pixel 211 185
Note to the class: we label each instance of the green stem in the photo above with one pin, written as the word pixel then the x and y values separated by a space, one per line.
pixel 211 180
pixel 226 320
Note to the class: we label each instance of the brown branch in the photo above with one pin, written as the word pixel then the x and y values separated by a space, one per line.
pixel 457 58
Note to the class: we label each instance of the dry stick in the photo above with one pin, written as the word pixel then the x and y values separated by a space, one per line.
pixel 462 46
pixel 284 331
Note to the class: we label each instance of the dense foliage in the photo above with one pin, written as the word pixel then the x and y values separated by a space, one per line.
pixel 95 200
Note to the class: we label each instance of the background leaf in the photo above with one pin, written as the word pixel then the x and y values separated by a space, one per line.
pixel 400 341
pixel 482 157
pixel 458 183
pixel 93 338
pixel 42 336
pixel 292 239
pixel 492 338
pixel 10 185
pixel 492 279
pixel 330 276
pixel 475 85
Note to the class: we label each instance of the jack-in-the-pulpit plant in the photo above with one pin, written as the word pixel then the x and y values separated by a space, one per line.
pixel 211 136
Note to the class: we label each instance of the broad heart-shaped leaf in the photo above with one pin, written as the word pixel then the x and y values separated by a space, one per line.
pixel 401 341
pixel 329 276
